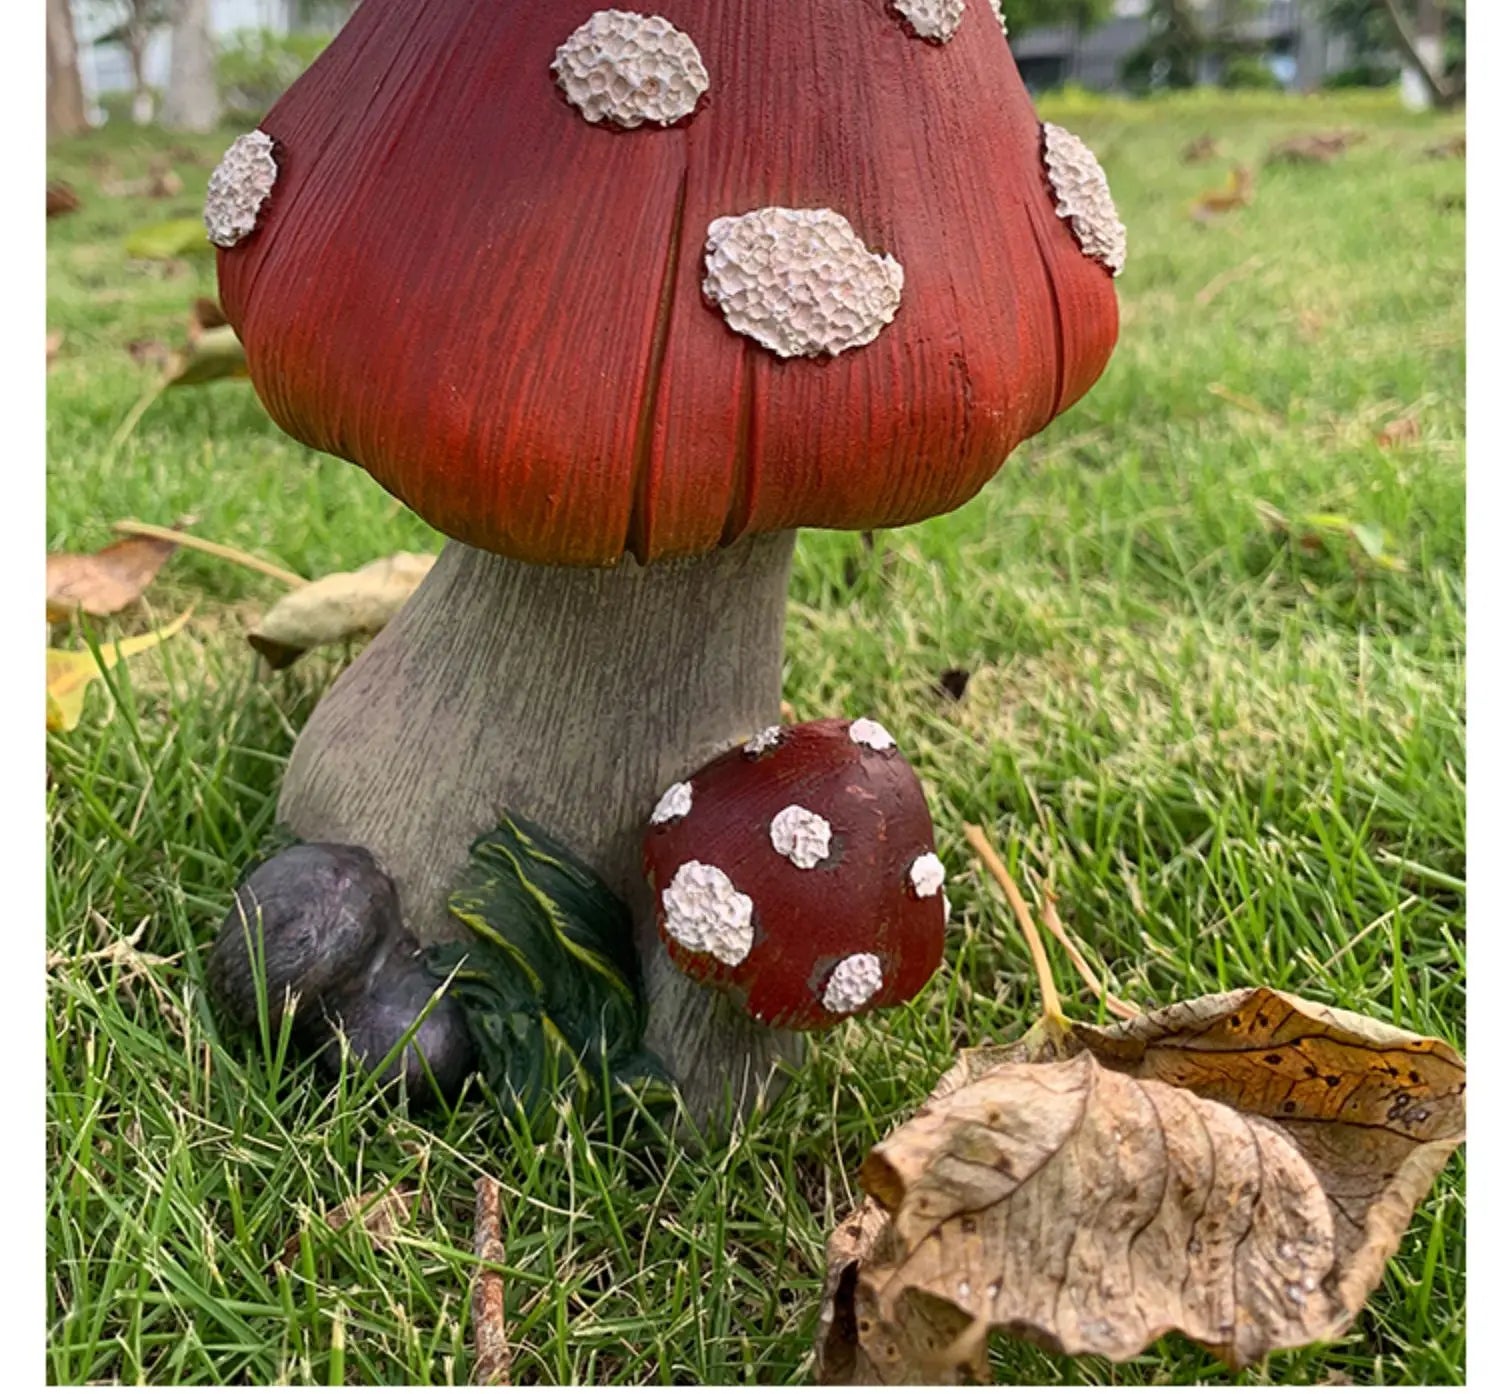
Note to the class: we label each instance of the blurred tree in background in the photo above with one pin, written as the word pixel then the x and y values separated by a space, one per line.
pixel 1021 15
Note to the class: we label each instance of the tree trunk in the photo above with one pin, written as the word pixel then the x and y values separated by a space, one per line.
pixel 65 108
pixel 142 105
pixel 1422 78
pixel 572 697
pixel 192 100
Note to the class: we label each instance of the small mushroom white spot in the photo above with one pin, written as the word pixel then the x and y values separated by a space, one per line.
pixel 927 875
pixel 1083 199
pixel 799 281
pixel 871 734
pixel 801 836
pixel 630 68
pixel 852 983
pixel 705 913
pixel 1000 15
pixel 677 802
pixel 763 741
pixel 238 189
pixel 932 19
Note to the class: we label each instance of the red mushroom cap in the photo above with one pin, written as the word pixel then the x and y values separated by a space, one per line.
pixel 796 872
pixel 575 282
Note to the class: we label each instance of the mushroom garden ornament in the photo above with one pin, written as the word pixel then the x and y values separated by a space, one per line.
pixel 797 874
pixel 617 301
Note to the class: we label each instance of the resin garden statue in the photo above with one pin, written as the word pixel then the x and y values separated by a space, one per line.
pixel 618 301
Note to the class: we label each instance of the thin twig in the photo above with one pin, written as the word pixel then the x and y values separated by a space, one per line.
pixel 133 417
pixel 1122 1009
pixel 1051 1002
pixel 131 528
pixel 1224 279
pixel 491 1348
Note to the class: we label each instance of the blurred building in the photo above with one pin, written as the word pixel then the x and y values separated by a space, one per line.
pixel 1288 35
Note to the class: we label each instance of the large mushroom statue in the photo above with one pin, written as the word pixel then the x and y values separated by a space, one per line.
pixel 617 301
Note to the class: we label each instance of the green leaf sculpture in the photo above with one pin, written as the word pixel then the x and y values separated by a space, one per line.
pixel 551 986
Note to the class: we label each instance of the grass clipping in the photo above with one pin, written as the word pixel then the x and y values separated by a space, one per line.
pixel 1237 1168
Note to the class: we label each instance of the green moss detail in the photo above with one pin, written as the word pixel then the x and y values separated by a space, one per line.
pixel 551 986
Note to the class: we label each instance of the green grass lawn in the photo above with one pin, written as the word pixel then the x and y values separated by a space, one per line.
pixel 1234 754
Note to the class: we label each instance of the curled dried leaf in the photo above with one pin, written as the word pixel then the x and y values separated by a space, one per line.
pixel 103 582
pixel 1238 1168
pixel 382 1214
pixel 343 605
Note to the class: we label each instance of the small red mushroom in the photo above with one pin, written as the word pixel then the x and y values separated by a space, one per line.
pixel 796 873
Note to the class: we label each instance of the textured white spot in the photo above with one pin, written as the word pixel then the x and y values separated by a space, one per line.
pixel 677 802
pixel 932 19
pixel 1082 194
pixel 763 741
pixel 707 915
pixel 927 875
pixel 238 188
pixel 852 983
pixel 871 733
pixel 801 836
pixel 630 68
pixel 799 281
pixel 1000 15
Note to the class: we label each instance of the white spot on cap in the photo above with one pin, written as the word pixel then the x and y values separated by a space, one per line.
pixel 763 741
pixel 677 802
pixel 706 914
pixel 927 875
pixel 1000 15
pixel 871 733
pixel 238 189
pixel 799 281
pixel 1082 194
pixel 932 19
pixel 801 836
pixel 630 68
pixel 852 983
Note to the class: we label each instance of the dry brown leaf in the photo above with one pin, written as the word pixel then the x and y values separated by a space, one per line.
pixel 206 314
pixel 1213 203
pixel 1404 430
pixel 211 354
pixel 1317 147
pixel 382 1214
pixel 341 606
pixel 1238 1168
pixel 149 353
pixel 487 1305
pixel 161 181
pixel 103 582
pixel 1205 147
pixel 1455 148
pixel 62 198
pixel 55 339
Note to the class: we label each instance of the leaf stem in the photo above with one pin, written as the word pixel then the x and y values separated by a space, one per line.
pixel 1117 1006
pixel 131 528
pixel 1051 1002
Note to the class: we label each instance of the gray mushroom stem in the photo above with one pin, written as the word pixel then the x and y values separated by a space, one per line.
pixel 571 697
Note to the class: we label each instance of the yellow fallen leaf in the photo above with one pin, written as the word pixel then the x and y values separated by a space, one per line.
pixel 69 672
